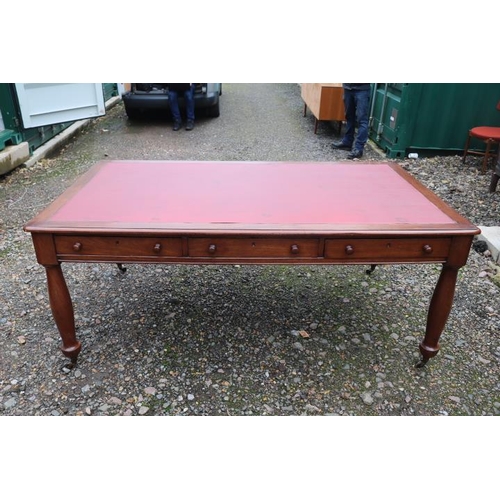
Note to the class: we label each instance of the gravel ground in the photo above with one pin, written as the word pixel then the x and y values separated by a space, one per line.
pixel 242 340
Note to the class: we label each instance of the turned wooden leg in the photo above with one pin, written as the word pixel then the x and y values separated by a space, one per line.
pixel 493 183
pixel 486 156
pixel 439 310
pixel 62 310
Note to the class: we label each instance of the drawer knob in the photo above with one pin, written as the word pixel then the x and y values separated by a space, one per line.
pixel 349 250
pixel 294 249
pixel 427 249
pixel 77 246
pixel 157 248
pixel 212 249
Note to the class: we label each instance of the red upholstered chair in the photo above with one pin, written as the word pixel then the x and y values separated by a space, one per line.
pixel 490 136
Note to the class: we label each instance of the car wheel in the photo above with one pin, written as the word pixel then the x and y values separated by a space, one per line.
pixel 133 114
pixel 213 111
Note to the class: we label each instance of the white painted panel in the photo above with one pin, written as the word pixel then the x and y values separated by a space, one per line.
pixel 50 103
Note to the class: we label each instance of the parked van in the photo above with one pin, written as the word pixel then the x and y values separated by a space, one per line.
pixel 143 97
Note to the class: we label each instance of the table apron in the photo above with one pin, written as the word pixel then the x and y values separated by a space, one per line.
pixel 254 249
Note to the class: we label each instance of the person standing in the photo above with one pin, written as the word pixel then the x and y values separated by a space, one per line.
pixel 187 91
pixel 357 110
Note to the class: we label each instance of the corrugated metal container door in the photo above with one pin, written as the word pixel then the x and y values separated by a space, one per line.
pixel 36 113
pixel 430 117
pixel 44 104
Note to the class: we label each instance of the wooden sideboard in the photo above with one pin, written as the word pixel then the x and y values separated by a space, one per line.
pixel 325 100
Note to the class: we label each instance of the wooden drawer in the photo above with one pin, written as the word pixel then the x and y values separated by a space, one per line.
pixel 286 248
pixel 387 249
pixel 119 246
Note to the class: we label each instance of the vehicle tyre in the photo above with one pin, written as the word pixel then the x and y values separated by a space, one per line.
pixel 133 114
pixel 213 111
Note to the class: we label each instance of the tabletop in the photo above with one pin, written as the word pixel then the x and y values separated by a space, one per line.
pixel 235 195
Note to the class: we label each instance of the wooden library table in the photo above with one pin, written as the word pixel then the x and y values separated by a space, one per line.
pixel 250 213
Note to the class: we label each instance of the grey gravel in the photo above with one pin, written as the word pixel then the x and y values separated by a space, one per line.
pixel 226 340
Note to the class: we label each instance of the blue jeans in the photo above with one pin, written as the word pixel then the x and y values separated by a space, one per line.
pixel 173 100
pixel 357 109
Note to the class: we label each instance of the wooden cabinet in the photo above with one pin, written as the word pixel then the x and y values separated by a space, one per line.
pixel 325 100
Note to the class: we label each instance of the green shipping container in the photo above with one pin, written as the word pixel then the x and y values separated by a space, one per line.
pixel 110 90
pixel 430 118
pixel 9 120
pixel 12 131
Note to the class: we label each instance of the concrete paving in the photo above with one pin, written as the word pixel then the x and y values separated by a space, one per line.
pixel 491 235
pixel 13 156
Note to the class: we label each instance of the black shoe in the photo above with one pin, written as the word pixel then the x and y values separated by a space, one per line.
pixel 340 145
pixel 354 154
pixel 190 125
pixel 177 126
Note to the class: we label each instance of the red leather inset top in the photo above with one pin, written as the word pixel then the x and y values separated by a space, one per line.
pixel 248 193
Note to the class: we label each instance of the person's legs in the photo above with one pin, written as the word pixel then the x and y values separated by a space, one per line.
pixel 362 99
pixel 189 101
pixel 173 101
pixel 350 116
